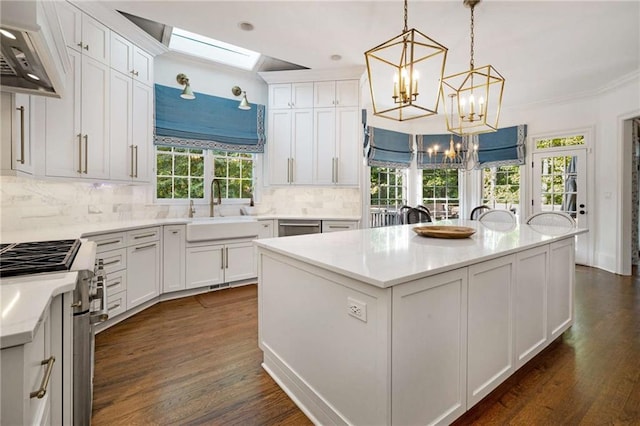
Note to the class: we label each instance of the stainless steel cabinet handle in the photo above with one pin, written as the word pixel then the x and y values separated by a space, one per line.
pixel 135 147
pixel 339 227
pixel 174 232
pixel 80 44
pixel 86 154
pixel 113 284
pixel 222 258
pixel 86 47
pixel 292 166
pixel 79 152
pixel 42 391
pixel 313 225
pixel 21 160
pixel 226 257
pixel 145 247
pixel 134 72
pixel 333 170
pixel 106 243
pixel 111 262
pixel 336 169
pixel 144 236
pixel 131 166
pixel 114 306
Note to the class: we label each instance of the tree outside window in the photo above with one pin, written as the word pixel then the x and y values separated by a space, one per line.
pixel 179 173
pixel 235 172
pixel 440 192
pixel 501 187
pixel 386 188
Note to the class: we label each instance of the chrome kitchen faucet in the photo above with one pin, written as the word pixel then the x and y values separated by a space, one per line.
pixel 211 196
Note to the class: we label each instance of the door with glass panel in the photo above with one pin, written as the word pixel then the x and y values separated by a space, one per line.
pixel 559 184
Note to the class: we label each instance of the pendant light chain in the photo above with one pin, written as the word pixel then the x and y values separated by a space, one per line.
pixel 406 13
pixel 472 24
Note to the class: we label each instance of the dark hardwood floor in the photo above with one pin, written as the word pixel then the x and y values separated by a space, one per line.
pixel 196 361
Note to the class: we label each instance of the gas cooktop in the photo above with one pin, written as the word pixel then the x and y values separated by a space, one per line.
pixel 37 257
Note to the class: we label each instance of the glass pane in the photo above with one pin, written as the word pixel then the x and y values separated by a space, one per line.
pixel 234 169
pixel 197 188
pixel 164 187
pixel 164 148
pixel 181 165
pixel 247 169
pixel 181 189
pixel 558 142
pixel 164 164
pixel 220 167
pixel 234 188
pixel 197 166
pixel 180 150
pixel 196 151
pixel 246 189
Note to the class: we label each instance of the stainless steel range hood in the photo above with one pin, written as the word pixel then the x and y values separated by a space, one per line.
pixel 33 57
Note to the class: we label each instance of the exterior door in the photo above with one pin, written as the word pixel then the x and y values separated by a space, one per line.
pixel 560 184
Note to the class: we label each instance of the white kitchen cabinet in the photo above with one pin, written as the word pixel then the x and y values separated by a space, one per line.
pixel 130 60
pixel 83 33
pixel 429 328
pixel 143 265
pixel 530 303
pixel 204 265
pixel 211 264
pixel 343 93
pixel 336 146
pixel 131 124
pixel 173 258
pixel 267 227
pixel 490 326
pixel 77 126
pixel 291 95
pixel 338 225
pixel 560 300
pixel 25 367
pixel 290 135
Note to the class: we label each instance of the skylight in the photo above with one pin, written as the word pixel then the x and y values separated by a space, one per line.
pixel 213 50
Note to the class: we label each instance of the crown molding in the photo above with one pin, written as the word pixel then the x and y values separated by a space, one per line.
pixel 294 76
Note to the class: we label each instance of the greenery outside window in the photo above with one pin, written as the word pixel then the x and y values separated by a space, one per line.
pixel 501 187
pixel 559 142
pixel 387 190
pixel 440 192
pixel 179 173
pixel 235 172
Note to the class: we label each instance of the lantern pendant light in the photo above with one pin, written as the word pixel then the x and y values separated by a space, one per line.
pixel 394 69
pixel 477 94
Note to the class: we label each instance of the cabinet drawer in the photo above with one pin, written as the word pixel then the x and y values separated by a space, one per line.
pixel 338 225
pixel 114 260
pixel 109 241
pixel 116 303
pixel 116 282
pixel 144 235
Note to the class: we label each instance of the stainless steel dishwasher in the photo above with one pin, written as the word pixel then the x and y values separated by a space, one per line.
pixel 289 227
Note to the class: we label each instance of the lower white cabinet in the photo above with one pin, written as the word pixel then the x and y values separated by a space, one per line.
pixel 490 326
pixel 561 287
pixel 173 258
pixel 143 273
pixel 267 227
pixel 211 264
pixel 25 367
pixel 338 225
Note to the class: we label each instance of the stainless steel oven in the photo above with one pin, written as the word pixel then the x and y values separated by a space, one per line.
pixel 40 257
pixel 291 227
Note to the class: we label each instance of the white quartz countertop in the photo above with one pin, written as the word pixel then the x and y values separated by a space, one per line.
pixel 392 255
pixel 23 301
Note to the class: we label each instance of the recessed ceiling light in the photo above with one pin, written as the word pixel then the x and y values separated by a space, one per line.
pixel 246 26
pixel 33 76
pixel 336 57
pixel 7 34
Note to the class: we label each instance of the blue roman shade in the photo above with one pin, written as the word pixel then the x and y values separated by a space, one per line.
pixel 502 148
pixel 388 148
pixel 207 122
pixel 435 160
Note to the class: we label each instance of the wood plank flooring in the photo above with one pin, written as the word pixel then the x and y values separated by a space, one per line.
pixel 196 361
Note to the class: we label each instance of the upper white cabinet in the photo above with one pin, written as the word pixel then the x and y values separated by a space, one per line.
pixel 77 126
pixel 290 95
pixel 343 93
pixel 83 33
pixel 290 134
pixel 129 59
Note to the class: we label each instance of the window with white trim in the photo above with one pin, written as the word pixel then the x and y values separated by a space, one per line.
pixel 234 170
pixel 501 187
pixel 440 193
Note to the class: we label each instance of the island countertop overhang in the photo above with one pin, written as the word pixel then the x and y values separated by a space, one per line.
pixel 387 256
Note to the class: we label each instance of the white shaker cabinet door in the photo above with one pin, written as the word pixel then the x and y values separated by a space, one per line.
pixel 205 266
pixel 348 146
pixel 142 131
pixel 302 146
pixel 324 144
pixel 120 133
pixel 279 146
pixel 96 39
pixel 560 295
pixel 143 273
pixel 173 258
pixel 240 262
pixel 95 118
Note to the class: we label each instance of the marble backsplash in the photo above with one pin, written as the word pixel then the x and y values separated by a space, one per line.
pixel 27 203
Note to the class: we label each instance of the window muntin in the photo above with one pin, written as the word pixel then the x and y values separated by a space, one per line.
pixel 501 187
pixel 179 173
pixel 440 192
pixel 235 172
pixel 387 188
pixel 558 184
pixel 560 142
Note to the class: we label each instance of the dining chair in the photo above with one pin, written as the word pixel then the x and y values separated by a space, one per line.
pixel 551 219
pixel 477 211
pixel 495 215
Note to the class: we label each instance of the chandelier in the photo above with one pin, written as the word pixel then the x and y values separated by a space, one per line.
pixel 394 69
pixel 476 94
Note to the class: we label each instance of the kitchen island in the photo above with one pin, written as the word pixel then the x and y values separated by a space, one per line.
pixel 382 326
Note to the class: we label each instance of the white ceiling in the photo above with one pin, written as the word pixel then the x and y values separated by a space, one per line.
pixel 546 50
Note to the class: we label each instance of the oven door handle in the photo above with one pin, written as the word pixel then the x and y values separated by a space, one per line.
pixel 101 293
